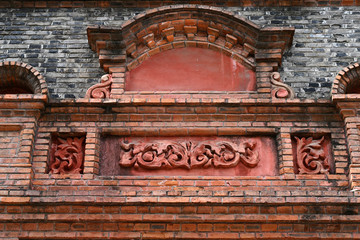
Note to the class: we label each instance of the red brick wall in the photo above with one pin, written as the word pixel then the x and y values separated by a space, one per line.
pixel 89 206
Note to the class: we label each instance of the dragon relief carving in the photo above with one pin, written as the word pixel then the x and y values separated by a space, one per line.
pixel 280 89
pixel 68 156
pixel 102 89
pixel 310 156
pixel 188 155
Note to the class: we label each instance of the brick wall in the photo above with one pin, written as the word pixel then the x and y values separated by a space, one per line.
pixel 149 4
pixel 89 206
pixel 54 42
pixel 203 209
pixel 42 196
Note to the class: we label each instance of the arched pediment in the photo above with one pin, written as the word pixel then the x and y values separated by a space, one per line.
pixel 170 27
pixel 183 26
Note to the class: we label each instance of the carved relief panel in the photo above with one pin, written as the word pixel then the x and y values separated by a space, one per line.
pixel 230 156
pixel 67 155
pixel 312 155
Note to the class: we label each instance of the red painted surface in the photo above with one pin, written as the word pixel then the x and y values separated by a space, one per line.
pixel 190 69
pixel 111 152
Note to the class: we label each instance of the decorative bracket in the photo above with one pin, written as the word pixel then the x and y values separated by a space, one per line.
pixel 168 33
pixel 280 89
pixel 230 41
pixel 213 34
pixel 149 39
pixel 102 89
pixel 190 32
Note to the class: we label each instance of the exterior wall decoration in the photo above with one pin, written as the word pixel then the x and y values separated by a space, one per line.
pixel 102 89
pixel 280 89
pixel 312 156
pixel 197 26
pixel 190 156
pixel 67 155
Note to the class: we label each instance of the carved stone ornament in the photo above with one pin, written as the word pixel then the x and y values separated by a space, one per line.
pixel 188 155
pixel 102 89
pixel 280 89
pixel 311 157
pixel 68 156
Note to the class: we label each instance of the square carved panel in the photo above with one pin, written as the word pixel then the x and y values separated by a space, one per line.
pixel 312 155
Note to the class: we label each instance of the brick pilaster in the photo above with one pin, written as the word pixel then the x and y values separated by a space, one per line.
pixel 286 165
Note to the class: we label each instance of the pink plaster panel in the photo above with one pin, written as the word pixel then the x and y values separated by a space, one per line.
pixel 190 69
pixel 188 156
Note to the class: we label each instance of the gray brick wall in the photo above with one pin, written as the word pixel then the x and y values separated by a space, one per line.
pixel 54 41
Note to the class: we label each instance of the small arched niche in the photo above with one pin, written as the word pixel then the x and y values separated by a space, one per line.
pixel 20 78
pixel 190 69
pixel 347 80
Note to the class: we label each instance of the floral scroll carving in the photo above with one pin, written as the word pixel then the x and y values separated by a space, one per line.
pixel 280 89
pixel 102 89
pixel 188 155
pixel 310 156
pixel 68 156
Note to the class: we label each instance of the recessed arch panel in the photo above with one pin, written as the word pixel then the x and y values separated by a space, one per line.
pixel 190 69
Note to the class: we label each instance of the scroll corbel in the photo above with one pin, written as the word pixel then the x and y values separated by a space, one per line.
pixel 102 89
pixel 280 89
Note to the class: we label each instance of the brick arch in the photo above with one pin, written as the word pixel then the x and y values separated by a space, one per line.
pixel 347 80
pixel 19 78
pixel 201 27
pixel 193 25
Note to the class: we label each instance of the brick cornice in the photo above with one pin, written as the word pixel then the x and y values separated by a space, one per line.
pixel 178 100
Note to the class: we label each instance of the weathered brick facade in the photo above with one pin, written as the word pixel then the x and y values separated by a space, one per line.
pixel 62 124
